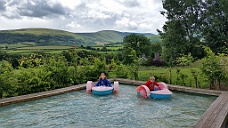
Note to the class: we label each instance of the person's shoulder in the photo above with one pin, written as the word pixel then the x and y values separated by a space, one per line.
pixel 149 81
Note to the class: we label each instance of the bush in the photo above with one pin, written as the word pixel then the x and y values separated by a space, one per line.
pixel 121 71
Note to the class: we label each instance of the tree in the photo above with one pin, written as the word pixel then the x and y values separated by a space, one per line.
pixel 134 68
pixel 129 56
pixel 58 67
pixel 104 48
pixel 156 48
pixel 192 23
pixel 132 61
pixel 215 25
pixel 185 60
pixel 7 81
pixel 212 69
pixel 181 33
pixel 139 43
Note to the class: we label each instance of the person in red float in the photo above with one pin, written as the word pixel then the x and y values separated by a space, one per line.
pixel 152 85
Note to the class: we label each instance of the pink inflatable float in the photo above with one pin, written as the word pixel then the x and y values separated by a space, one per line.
pixel 164 93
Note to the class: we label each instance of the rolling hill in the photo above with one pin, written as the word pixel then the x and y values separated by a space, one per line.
pixel 42 36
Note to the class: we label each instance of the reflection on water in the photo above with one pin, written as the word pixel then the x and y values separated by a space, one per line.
pixel 126 109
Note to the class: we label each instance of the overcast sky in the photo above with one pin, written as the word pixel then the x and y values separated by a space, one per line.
pixel 82 15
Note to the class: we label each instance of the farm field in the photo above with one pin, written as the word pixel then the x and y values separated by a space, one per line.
pixel 113 48
pixel 28 48
pixel 46 48
pixel 33 51
pixel 17 45
pixel 36 49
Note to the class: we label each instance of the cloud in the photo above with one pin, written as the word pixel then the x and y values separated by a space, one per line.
pixel 83 15
pixel 126 23
pixel 2 5
pixel 41 9
pixel 130 3
pixel 73 25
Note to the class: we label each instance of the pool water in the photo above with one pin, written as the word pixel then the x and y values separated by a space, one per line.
pixel 125 109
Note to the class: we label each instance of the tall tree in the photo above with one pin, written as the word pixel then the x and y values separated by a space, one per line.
pixel 215 25
pixel 194 22
pixel 181 32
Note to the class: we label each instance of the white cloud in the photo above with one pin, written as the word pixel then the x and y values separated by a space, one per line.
pixel 126 23
pixel 83 15
pixel 26 22
pixel 72 26
pixel 69 3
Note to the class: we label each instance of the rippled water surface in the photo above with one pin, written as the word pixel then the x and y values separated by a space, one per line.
pixel 123 110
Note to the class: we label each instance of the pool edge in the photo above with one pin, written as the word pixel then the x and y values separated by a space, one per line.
pixel 39 95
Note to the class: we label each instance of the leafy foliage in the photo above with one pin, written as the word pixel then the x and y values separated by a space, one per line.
pixel 191 23
pixel 139 43
pixel 38 73
pixel 215 27
pixel 211 68
pixel 185 60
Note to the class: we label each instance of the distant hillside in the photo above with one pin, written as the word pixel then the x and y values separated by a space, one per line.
pixel 155 38
pixel 43 36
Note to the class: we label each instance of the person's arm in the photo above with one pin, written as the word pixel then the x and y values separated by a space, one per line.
pixel 157 85
pixel 108 83
pixel 98 83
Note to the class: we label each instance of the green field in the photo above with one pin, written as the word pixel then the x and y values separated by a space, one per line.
pixel 17 45
pixel 34 51
pixel 113 48
pixel 25 49
pixel 46 48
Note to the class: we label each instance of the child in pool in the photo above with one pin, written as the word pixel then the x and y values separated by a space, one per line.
pixel 152 85
pixel 103 81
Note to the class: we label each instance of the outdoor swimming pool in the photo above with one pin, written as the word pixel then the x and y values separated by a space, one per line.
pixel 81 110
